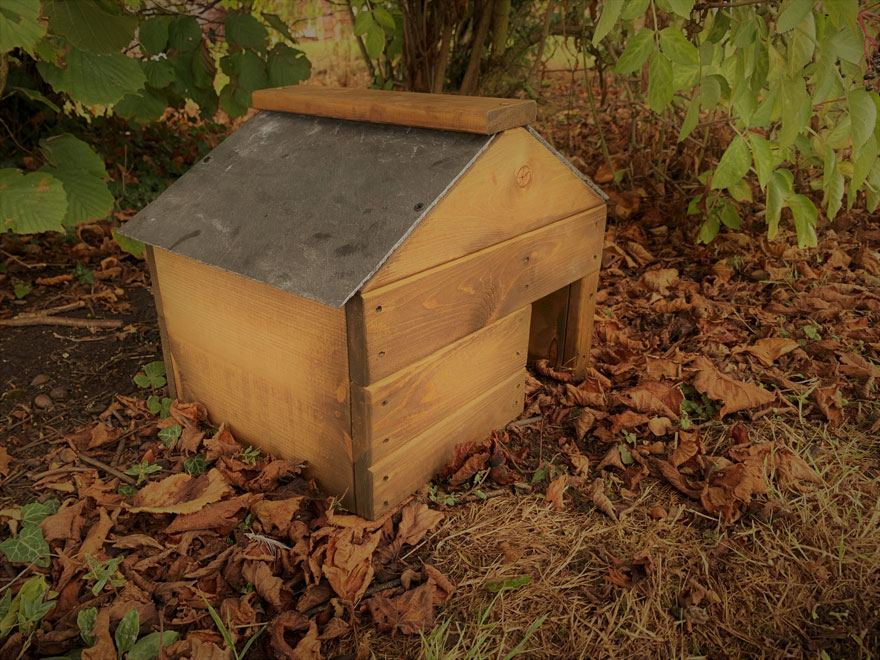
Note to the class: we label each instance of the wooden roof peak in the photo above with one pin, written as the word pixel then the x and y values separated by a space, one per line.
pixel 446 112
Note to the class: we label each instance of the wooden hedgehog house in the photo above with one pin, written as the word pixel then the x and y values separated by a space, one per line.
pixel 356 278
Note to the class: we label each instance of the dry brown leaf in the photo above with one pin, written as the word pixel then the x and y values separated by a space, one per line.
pixel 416 520
pixel 97 536
pixel 584 423
pixel 729 490
pixel 66 524
pixel 611 459
pixel 660 426
pixel 4 462
pixel 626 420
pixel 443 588
pixel 555 491
pixel 409 613
pixel 793 468
pixel 543 367
pixel 222 516
pixel 734 395
pixel 829 401
pixel 600 499
pixel 660 280
pixel 658 398
pixel 348 561
pixel 277 515
pixel 472 465
pixel 771 349
pixel 220 444
pixel 267 585
pixel 181 493
pixel 272 474
pixel 689 445
pixel 287 626
pixel 659 368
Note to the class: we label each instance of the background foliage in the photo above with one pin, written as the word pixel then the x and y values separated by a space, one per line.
pixel 69 63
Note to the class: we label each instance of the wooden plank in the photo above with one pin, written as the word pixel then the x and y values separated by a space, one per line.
pixel 516 186
pixel 271 364
pixel 548 324
pixel 470 114
pixel 579 330
pixel 386 483
pixel 170 371
pixel 410 319
pixel 389 413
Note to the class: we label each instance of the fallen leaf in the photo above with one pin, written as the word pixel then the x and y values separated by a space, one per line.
pixel 658 398
pixel 348 561
pixel 416 520
pixel 274 473
pixel 4 462
pixel 600 499
pixel 266 584
pixel 660 426
pixel 409 613
pixel 689 445
pixel 584 423
pixel 277 515
pixel 829 401
pixel 543 367
pixel 734 395
pixel 66 524
pixel 659 280
pixel 97 535
pixel 611 459
pixel 555 491
pixel 472 465
pixel 222 516
pixel 181 493
pixel 771 349
pixel 220 444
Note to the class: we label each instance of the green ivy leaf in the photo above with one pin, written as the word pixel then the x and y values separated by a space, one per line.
pixel 159 72
pixel 708 231
pixel 863 115
pixel 88 26
pixel 634 8
pixel 763 158
pixel 34 95
pixel 660 88
pixel 729 214
pixel 31 203
pixel 246 31
pixel 143 107
pixel 796 110
pixel 779 189
pixel 636 53
pixel 287 66
pixel 275 22
pixel 494 586
pixel 375 41
pixel 29 547
pixel 160 407
pixel 19 25
pixel 734 164
pixel 147 647
pixel 794 13
pixel 610 13
pixel 805 214
pixel 153 34
pixel 384 18
pixel 169 435
pixel 127 631
pixel 677 48
pixel 834 194
pixel 20 290
pixel 690 119
pixel 863 163
pixel 363 23
pixel 36 512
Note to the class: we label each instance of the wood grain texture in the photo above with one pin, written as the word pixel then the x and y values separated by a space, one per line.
pixel 517 185
pixel 410 319
pixel 548 325
pixel 579 330
pixel 407 469
pixel 388 414
pixel 170 371
pixel 469 114
pixel 270 364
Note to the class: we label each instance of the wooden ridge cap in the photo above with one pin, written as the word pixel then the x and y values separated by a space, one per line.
pixel 447 112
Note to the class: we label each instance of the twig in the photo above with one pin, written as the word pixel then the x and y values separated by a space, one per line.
pixel 723 5
pixel 108 469
pixel 52 310
pixel 526 422
pixel 19 261
pixel 485 496
pixel 63 320
pixel 63 470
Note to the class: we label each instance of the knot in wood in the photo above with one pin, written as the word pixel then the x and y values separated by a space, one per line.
pixel 523 176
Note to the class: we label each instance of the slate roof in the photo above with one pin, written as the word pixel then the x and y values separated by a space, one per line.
pixel 307 204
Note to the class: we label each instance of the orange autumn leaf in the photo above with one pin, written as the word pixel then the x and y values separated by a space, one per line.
pixel 181 493
pixel 771 349
pixel 733 394
pixel 658 398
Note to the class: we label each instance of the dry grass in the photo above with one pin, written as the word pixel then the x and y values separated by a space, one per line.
pixel 796 577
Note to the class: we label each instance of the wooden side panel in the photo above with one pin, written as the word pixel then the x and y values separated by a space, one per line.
pixel 391 412
pixel 410 319
pixel 579 330
pixel 170 370
pixel 470 114
pixel 549 321
pixel 407 469
pixel 270 364
pixel 516 186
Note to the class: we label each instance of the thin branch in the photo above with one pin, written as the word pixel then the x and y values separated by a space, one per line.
pixel 94 462
pixel 360 43
pixel 61 320
pixel 723 5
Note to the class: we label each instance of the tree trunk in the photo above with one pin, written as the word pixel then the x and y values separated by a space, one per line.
pixel 443 59
pixel 500 24
pixel 472 74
